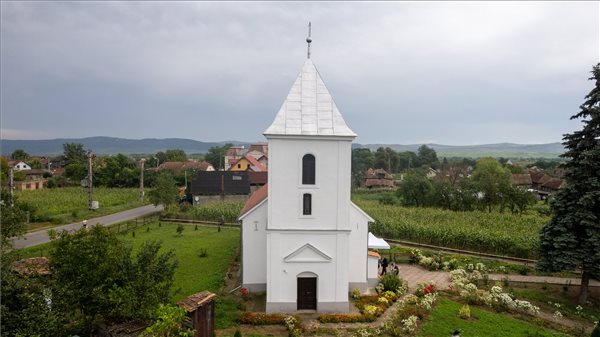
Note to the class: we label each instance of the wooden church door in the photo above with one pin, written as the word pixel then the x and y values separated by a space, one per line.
pixel 307 293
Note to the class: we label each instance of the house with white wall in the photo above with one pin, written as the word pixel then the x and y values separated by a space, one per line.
pixel 303 240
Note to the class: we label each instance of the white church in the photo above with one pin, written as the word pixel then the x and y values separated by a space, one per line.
pixel 303 240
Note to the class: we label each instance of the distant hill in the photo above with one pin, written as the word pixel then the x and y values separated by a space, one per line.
pixel 507 150
pixel 111 145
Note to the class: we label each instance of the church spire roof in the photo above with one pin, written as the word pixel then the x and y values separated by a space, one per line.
pixel 309 109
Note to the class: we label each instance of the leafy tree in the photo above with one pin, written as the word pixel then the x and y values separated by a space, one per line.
pixel 216 154
pixel 3 169
pixel 118 171
pixel 387 159
pixel 362 160
pixel 572 237
pixel 19 176
pixel 165 190
pixel 24 308
pixel 492 180
pixel 161 157
pixel 36 164
pixel 76 171
pixel 176 155
pixel 415 189
pixel 74 153
pixel 408 160
pixel 519 199
pixel 19 154
pixel 443 194
pixel 428 156
pixel 95 277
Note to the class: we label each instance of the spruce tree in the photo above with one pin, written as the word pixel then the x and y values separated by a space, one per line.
pixel 572 237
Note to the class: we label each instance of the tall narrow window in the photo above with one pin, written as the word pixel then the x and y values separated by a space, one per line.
pixel 308 169
pixel 307 204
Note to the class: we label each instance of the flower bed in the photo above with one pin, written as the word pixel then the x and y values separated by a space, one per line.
pixel 372 306
pixel 346 318
pixel 258 318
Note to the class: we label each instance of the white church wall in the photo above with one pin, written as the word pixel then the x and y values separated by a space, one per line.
pixel 373 274
pixel 254 253
pixel 332 280
pixel 330 192
pixel 358 249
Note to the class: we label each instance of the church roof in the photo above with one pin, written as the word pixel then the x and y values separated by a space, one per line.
pixel 309 109
pixel 255 199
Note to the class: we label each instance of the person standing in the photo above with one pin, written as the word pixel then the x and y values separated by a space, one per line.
pixel 384 265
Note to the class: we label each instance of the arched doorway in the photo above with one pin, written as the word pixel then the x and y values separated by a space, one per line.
pixel 307 291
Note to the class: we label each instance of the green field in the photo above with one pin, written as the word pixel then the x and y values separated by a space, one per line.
pixel 444 320
pixel 65 205
pixel 496 233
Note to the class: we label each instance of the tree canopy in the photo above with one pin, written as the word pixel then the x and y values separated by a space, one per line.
pixel 572 237
pixel 165 190
pixel 19 154
pixel 216 154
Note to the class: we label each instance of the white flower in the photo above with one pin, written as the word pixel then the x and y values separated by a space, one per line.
pixel 579 308
pixel 410 323
pixel 557 314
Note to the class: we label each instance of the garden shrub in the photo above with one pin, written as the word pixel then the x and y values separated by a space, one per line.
pixel 464 312
pixel 390 282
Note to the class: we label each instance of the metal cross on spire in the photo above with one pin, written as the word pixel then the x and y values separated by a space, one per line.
pixel 308 39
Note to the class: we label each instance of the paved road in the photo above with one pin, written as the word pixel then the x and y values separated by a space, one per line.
pixel 41 236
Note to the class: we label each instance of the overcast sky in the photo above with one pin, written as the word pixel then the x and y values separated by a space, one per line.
pixel 400 72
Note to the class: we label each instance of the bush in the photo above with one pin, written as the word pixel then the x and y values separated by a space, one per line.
pixel 390 282
pixel 464 312
pixel 237 333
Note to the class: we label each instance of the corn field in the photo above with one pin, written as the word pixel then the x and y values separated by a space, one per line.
pixel 63 205
pixel 496 233
pixel 216 211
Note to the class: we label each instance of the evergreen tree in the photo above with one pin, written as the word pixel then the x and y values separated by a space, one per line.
pixel 572 237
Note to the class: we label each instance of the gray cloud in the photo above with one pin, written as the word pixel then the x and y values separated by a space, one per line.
pixel 453 73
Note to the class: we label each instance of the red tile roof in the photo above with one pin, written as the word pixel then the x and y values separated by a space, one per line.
pixel 256 198
pixel 374 254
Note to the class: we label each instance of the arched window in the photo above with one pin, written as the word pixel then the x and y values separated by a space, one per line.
pixel 308 169
pixel 307 204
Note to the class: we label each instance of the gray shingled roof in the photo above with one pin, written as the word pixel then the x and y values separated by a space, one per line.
pixel 309 109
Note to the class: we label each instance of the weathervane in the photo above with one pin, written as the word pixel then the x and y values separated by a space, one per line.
pixel 308 39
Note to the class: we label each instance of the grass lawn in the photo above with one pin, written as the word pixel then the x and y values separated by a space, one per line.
pixel 59 206
pixel 194 273
pixel 444 320
pixel 547 295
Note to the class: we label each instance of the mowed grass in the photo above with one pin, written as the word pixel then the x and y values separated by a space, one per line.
pixel 194 273
pixel 444 320
pixel 58 206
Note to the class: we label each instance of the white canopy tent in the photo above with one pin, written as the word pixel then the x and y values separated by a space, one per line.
pixel 377 243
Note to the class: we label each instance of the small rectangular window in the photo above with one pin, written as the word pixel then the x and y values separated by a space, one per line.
pixel 307 204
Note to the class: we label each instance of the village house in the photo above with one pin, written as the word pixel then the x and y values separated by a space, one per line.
pixel 303 240
pixel 18 165
pixel 247 163
pixel 258 151
pixel 378 178
pixel 180 166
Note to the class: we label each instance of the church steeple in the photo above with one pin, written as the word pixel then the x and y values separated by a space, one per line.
pixel 309 109
pixel 308 41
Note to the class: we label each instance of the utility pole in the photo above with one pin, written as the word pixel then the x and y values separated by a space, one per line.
pixel 90 180
pixel 11 185
pixel 142 161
